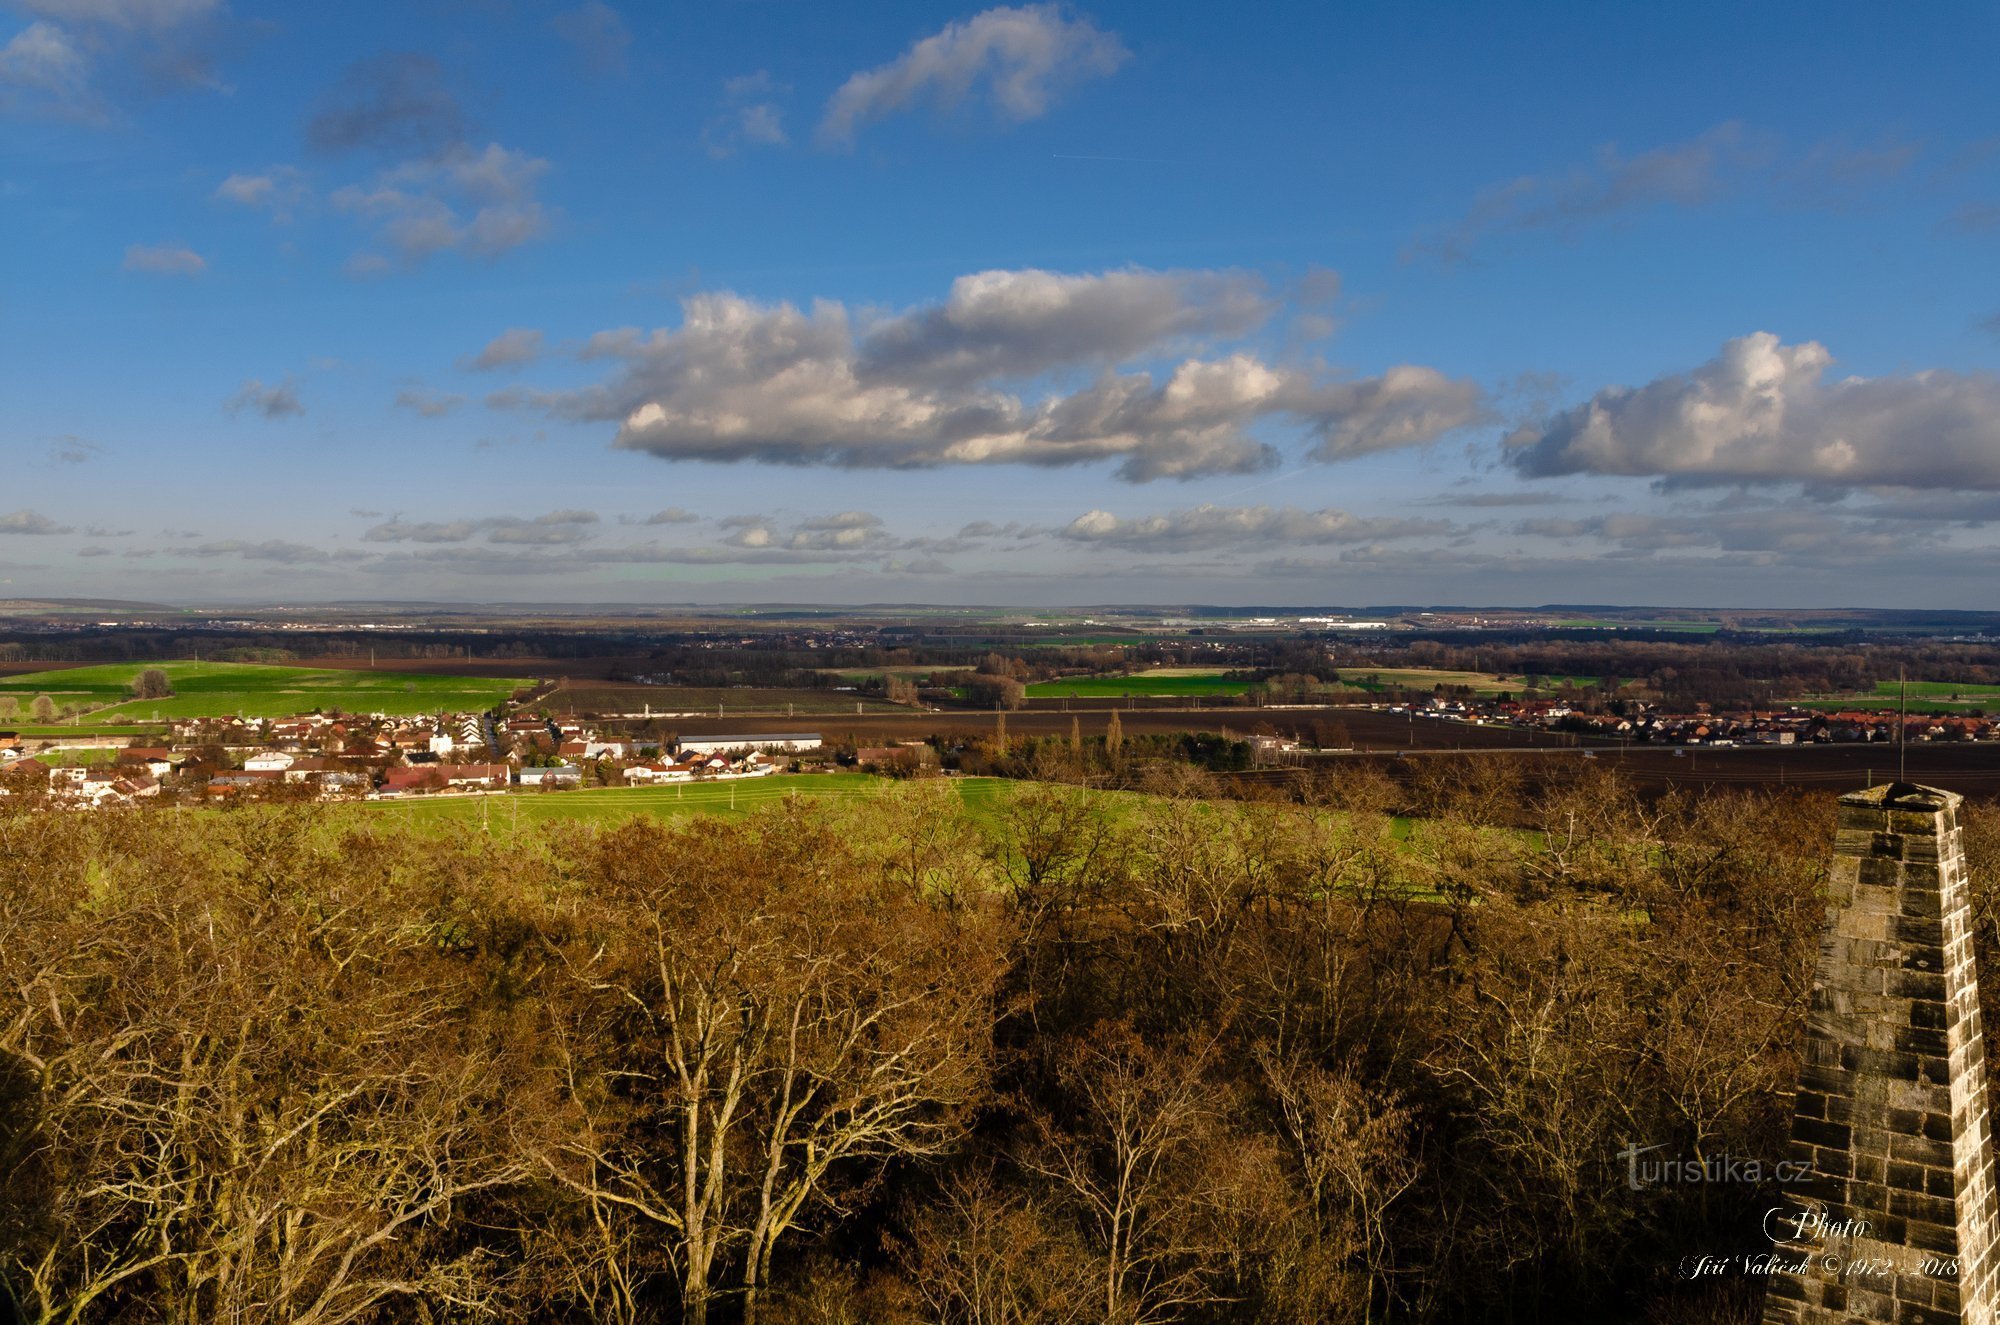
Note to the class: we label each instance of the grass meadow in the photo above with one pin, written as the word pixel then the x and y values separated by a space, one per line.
pixel 251 690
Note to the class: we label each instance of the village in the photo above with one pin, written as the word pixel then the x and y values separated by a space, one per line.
pixel 377 757
pixel 1791 725
pixel 335 755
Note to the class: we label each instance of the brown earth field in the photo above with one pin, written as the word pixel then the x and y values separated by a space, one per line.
pixel 1971 768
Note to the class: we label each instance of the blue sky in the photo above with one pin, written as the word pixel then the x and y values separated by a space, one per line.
pixel 1037 305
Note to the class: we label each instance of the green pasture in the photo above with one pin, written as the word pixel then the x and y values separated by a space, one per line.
pixel 1924 697
pixel 602 805
pixel 1175 684
pixel 1955 690
pixel 207 690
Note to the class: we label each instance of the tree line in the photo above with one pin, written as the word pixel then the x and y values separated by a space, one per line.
pixel 1084 1057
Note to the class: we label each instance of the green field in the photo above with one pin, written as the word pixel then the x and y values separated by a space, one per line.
pixel 1924 697
pixel 206 690
pixel 1172 682
pixel 612 804
pixel 1427 678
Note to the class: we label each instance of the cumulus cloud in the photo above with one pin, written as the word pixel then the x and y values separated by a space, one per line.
pixel 165 260
pixel 43 67
pixel 1001 324
pixel 672 515
pixel 1497 499
pixel 509 349
pixel 481 202
pixel 275 549
pixel 395 102
pixel 1763 411
pixel 430 404
pixel 598 34
pixel 56 64
pixel 1017 60
pixel 280 190
pixel 31 522
pixel 739 380
pixel 1757 536
pixel 398 530
pixel 1206 527
pixel 273 402
pixel 849 531
pixel 750 117
pixel 556 527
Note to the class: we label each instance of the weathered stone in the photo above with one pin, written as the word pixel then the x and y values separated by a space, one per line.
pixel 1892 1103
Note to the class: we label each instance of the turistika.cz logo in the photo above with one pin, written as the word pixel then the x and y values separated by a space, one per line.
pixel 1641 1172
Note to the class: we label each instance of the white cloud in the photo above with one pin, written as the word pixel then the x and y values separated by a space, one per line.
pixel 1026 322
pixel 430 404
pixel 739 380
pixel 281 190
pixel 1207 527
pixel 1016 59
pixel 509 349
pixel 275 549
pixel 478 202
pixel 31 522
pixel 42 64
pixel 556 527
pixel 750 116
pixel 165 260
pixel 154 14
pixel 1763 411
pixel 273 402
pixel 672 515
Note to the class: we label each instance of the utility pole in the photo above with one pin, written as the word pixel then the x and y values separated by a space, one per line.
pixel 1902 724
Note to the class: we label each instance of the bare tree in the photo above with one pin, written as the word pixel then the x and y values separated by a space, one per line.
pixel 1143 1158
pixel 784 1028
pixel 986 1252
pixel 260 1102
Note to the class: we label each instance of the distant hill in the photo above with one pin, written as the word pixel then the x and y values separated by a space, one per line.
pixel 17 605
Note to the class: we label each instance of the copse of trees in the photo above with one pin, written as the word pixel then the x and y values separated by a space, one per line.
pixel 152 683
pixel 1096 1058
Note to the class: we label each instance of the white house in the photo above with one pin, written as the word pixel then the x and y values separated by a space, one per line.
pixel 787 742
pixel 267 761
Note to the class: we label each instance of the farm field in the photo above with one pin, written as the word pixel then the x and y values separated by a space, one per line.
pixel 1687 627
pixel 203 690
pixel 613 804
pixel 1425 678
pixel 1924 697
pixel 708 701
pixel 1178 682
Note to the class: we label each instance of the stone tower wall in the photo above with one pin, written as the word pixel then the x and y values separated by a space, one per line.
pixel 1896 1221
